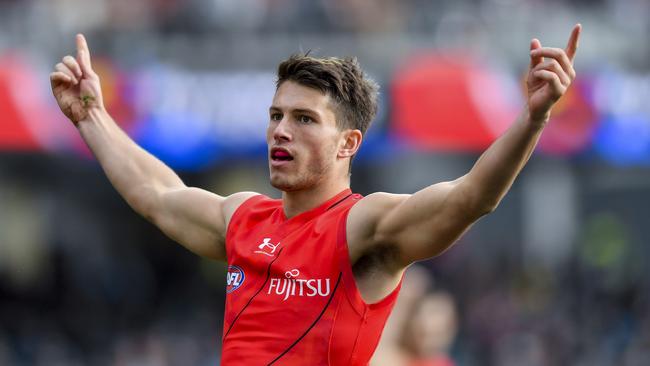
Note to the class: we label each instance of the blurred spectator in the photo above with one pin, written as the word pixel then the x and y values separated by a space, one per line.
pixel 429 333
pixel 422 327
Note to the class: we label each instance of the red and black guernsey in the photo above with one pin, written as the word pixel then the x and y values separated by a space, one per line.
pixel 291 295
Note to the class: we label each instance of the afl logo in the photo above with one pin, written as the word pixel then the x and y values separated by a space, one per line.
pixel 234 279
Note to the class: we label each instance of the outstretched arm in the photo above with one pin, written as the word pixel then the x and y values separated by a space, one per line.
pixel 426 223
pixel 195 218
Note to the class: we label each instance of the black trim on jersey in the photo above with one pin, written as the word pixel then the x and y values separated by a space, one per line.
pixel 268 274
pixel 312 324
pixel 339 201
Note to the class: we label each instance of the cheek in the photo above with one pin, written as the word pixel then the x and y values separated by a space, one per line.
pixel 320 148
pixel 332 147
pixel 323 153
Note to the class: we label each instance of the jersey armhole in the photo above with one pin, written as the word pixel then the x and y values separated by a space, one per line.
pixel 236 217
pixel 349 282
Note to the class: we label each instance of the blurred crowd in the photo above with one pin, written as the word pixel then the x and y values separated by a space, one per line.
pixel 80 286
pixel 233 33
pixel 558 275
pixel 319 16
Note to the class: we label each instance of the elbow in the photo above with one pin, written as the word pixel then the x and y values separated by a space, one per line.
pixel 148 212
pixel 477 200
pixel 145 202
pixel 482 208
pixel 487 207
pixel 142 207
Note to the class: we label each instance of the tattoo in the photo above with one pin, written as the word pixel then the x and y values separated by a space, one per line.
pixel 87 98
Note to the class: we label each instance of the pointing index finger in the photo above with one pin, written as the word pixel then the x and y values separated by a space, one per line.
pixel 534 45
pixel 83 54
pixel 572 45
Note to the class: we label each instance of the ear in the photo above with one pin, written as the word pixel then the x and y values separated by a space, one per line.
pixel 350 143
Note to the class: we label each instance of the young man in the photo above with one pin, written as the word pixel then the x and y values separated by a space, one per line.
pixel 312 277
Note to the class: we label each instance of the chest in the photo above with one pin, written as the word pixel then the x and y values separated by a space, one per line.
pixel 297 259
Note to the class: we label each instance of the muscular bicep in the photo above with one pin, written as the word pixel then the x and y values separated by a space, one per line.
pixel 424 224
pixel 197 219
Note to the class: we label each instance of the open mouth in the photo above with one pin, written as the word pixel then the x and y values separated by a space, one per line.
pixel 279 154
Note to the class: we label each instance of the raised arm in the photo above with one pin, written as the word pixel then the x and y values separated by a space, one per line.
pixel 195 218
pixel 426 223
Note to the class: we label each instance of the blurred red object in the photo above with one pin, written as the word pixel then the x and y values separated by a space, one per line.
pixel 15 133
pixel 448 103
pixel 453 103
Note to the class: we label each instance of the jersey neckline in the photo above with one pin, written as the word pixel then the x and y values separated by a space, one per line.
pixel 314 212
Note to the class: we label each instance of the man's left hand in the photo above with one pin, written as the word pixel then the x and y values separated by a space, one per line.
pixel 549 76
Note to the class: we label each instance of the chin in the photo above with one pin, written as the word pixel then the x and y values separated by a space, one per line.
pixel 284 185
pixel 287 184
pixel 279 181
pixel 281 185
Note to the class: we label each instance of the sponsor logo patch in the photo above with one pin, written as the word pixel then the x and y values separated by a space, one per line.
pixel 291 285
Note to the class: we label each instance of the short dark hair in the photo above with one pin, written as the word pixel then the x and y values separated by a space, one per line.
pixel 354 94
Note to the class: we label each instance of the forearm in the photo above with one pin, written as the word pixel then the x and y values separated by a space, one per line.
pixel 138 176
pixel 495 171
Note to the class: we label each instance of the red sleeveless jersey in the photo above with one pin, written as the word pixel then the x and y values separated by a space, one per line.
pixel 291 295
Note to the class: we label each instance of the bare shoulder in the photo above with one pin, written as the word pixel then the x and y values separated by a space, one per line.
pixel 374 206
pixel 231 204
pixel 380 200
pixel 364 218
pixel 373 260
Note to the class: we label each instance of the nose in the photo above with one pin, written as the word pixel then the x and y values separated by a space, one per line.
pixel 280 130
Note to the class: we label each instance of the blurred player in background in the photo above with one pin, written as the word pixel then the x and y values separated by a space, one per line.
pixel 312 277
pixel 422 326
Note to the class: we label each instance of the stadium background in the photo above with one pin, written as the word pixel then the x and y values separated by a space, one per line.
pixel 558 275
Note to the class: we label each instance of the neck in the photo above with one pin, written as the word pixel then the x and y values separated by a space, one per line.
pixel 297 202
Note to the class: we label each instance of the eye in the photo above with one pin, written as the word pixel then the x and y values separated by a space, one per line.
pixel 276 116
pixel 305 119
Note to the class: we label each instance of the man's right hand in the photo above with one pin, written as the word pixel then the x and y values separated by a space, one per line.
pixel 75 85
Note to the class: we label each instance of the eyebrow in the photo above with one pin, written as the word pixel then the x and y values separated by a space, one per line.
pixel 297 110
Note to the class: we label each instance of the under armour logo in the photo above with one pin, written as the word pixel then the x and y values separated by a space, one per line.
pixel 267 248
